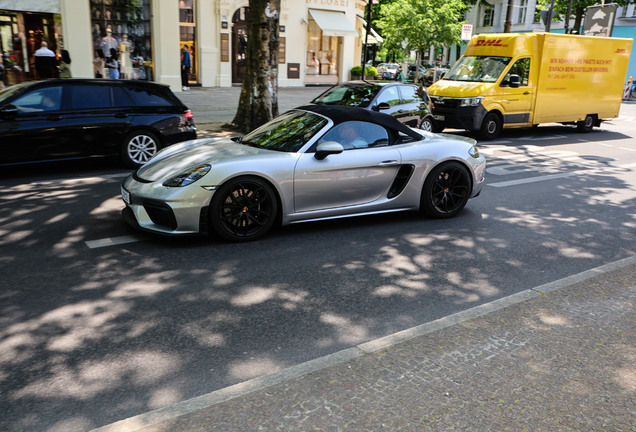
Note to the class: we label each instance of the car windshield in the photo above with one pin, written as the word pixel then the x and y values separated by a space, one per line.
pixel 10 91
pixel 478 69
pixel 355 96
pixel 287 132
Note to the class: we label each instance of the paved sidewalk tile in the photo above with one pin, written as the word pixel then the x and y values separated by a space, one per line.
pixel 562 361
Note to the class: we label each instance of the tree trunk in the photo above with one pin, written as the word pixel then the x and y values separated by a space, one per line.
pixel 578 19
pixel 258 103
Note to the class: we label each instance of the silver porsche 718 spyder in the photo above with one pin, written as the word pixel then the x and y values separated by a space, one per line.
pixel 311 163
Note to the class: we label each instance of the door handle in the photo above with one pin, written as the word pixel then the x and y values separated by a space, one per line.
pixel 400 111
pixel 388 163
pixel 526 92
pixel 121 115
pixel 53 117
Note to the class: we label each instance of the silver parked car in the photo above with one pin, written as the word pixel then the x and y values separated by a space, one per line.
pixel 314 162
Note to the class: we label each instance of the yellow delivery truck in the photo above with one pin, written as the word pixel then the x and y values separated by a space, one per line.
pixel 513 80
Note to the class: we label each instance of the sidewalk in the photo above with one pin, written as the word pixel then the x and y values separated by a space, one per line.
pixel 559 357
pixel 213 107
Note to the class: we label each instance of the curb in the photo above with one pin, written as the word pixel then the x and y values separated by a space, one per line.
pixel 170 412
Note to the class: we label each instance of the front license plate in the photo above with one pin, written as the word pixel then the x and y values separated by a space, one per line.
pixel 439 117
pixel 125 195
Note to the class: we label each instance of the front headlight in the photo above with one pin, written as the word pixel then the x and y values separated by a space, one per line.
pixel 471 102
pixel 473 152
pixel 188 176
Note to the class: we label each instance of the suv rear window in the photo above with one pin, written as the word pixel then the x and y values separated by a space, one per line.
pixel 145 98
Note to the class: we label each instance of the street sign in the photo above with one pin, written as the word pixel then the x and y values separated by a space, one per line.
pixel 599 20
pixel 467 31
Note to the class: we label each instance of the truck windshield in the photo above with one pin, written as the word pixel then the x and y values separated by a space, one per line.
pixel 478 69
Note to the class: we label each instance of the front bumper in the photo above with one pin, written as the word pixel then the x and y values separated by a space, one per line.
pixel 163 210
pixel 456 117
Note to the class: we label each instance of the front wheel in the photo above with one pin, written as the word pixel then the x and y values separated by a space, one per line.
pixel 243 209
pixel 446 190
pixel 427 125
pixel 490 127
pixel 586 125
pixel 139 147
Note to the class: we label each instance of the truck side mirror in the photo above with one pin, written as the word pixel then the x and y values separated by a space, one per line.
pixel 515 81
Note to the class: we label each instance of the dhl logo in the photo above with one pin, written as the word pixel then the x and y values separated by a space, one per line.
pixel 490 42
pixel 621 51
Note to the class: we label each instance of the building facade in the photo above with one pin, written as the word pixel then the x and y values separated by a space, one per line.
pixel 321 40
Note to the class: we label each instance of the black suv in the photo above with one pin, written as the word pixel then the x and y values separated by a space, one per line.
pixel 81 118
pixel 408 103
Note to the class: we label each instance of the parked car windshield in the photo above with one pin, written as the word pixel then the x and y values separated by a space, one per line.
pixel 478 69
pixel 356 96
pixel 287 132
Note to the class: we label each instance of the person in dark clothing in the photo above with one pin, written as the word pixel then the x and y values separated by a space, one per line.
pixel 45 62
pixel 186 64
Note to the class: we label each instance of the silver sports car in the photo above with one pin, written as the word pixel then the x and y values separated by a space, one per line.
pixel 314 162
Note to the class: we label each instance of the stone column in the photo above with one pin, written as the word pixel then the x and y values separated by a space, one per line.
pixel 165 42
pixel 76 29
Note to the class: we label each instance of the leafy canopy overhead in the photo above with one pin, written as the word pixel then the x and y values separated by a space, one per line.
pixel 421 24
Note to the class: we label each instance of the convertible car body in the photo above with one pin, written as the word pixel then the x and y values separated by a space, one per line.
pixel 310 163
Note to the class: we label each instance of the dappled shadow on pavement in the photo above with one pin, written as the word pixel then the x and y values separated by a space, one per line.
pixel 88 337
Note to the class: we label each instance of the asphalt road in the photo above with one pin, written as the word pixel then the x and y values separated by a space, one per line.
pixel 99 322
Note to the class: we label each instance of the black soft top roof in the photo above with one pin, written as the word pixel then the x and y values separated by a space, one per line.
pixel 341 113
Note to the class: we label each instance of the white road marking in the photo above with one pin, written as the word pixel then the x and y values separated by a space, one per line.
pixel 605 145
pixel 625 148
pixel 561 175
pixel 112 241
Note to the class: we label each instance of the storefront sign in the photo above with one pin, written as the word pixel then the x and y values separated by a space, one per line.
pixel 344 3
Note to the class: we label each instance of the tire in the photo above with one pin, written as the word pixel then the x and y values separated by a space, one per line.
pixel 586 125
pixel 438 129
pixel 490 127
pixel 139 147
pixel 243 209
pixel 446 190
pixel 427 124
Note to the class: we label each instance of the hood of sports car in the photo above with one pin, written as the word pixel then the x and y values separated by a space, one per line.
pixel 179 157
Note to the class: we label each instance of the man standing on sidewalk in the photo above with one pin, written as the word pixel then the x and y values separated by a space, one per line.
pixel 45 61
pixel 186 64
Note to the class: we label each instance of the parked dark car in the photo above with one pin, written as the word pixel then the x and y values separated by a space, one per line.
pixel 408 103
pixel 82 118
pixel 429 76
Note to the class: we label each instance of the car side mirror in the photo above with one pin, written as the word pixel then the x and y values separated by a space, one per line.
pixel 515 81
pixel 382 106
pixel 328 148
pixel 8 110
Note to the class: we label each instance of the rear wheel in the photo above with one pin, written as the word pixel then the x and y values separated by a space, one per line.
pixel 243 209
pixel 490 127
pixel 427 124
pixel 586 125
pixel 446 190
pixel 139 147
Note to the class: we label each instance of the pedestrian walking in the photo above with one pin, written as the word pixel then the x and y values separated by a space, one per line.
pixel 99 63
pixel 113 64
pixel 65 65
pixel 45 61
pixel 186 64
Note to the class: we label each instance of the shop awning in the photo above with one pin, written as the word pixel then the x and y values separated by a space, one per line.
pixel 333 23
pixel 374 37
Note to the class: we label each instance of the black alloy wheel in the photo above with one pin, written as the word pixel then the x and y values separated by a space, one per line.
pixel 490 127
pixel 586 125
pixel 446 190
pixel 139 147
pixel 243 209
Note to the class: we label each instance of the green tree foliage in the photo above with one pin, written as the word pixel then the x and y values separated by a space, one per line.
pixel 421 23
pixel 578 9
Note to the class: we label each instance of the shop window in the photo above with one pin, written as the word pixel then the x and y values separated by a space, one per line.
pixel 125 26
pixel 187 33
pixel 523 10
pixel 322 52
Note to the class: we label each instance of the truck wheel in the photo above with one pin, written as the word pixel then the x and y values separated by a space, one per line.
pixel 490 127
pixel 586 125
pixel 437 129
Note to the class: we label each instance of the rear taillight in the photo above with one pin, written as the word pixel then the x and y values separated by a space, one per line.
pixel 188 115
